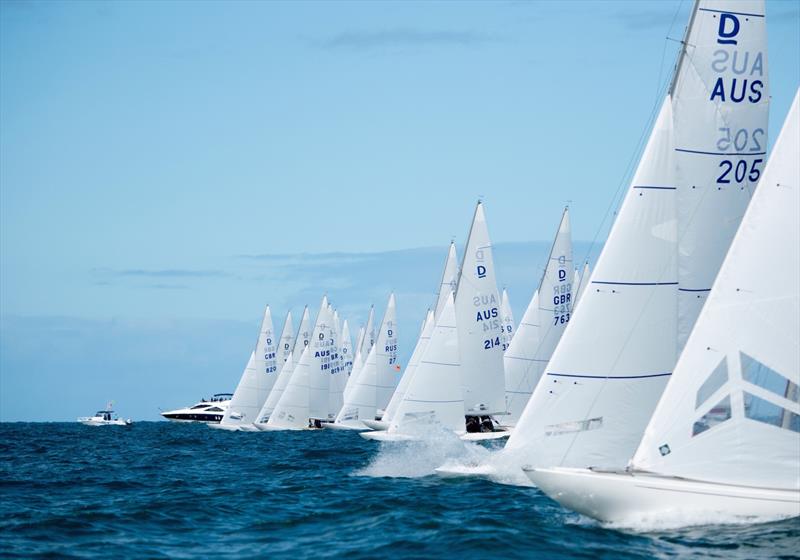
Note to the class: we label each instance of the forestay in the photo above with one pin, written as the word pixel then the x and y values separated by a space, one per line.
pixel 671 232
pixel 730 413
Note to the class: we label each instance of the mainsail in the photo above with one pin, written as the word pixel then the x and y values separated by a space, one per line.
pixel 477 308
pixel 699 167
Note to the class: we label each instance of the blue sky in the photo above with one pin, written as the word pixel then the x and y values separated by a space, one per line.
pixel 167 168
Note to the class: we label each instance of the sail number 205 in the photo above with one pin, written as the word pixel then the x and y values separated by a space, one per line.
pixel 738 171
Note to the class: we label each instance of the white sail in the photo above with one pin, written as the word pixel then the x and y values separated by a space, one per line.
pixel 299 344
pixel 508 320
pixel 286 341
pixel 369 333
pixel 730 414
pixel 542 326
pixel 449 279
pixel 355 366
pixel 277 390
pixel 338 375
pixel 477 305
pixel 359 340
pixel 322 349
pixel 387 369
pixel 720 108
pixel 616 356
pixel 256 381
pixel 519 374
pixel 584 282
pixel 377 377
pixel 360 403
pixel 291 412
pixel 346 349
pixel 408 374
pixel 434 394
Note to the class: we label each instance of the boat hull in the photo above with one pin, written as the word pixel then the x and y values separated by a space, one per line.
pixel 345 426
pixel 485 436
pixel 92 422
pixel 383 435
pixel 621 496
pixel 379 425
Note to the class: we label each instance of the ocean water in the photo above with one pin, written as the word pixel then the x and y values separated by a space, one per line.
pixel 184 491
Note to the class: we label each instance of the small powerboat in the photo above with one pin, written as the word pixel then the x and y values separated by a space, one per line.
pixel 104 418
pixel 206 411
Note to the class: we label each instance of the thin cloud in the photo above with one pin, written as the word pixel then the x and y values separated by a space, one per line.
pixel 405 37
pixel 160 273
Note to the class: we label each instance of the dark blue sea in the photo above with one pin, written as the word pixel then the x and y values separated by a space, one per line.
pixel 158 490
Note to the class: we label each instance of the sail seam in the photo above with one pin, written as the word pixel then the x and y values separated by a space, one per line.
pixel 729 12
pixel 610 376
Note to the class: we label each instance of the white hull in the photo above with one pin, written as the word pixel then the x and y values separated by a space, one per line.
pixel 269 428
pixel 621 496
pixel 485 436
pixel 383 435
pixel 96 422
pixel 379 425
pixel 349 425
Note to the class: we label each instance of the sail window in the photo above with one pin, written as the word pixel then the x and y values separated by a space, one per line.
pixel 759 374
pixel 575 426
pixel 717 415
pixel 710 386
pixel 764 411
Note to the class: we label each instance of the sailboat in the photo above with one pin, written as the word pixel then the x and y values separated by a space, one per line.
pixel 434 399
pixel 725 436
pixel 255 384
pixel 692 185
pixel 542 326
pixel 304 402
pixel 446 286
pixel 296 349
pixel 475 378
pixel 377 378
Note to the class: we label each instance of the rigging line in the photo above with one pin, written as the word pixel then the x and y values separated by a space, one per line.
pixel 660 92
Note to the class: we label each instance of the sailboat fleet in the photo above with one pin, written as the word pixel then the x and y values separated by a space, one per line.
pixel 665 378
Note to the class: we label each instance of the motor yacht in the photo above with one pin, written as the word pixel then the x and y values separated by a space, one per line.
pixel 208 411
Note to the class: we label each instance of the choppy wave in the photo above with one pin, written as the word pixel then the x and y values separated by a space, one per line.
pixel 166 490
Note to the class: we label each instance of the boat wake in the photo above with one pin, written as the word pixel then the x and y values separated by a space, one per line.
pixel 421 456
pixel 498 465
pixel 671 520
